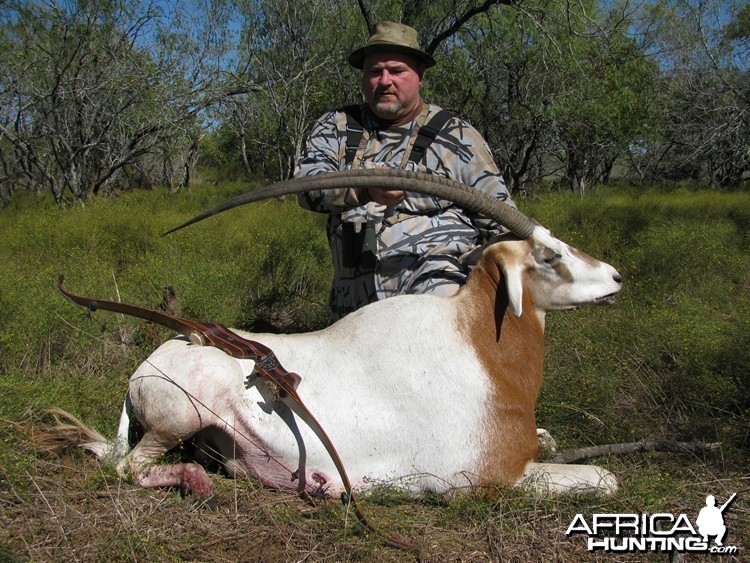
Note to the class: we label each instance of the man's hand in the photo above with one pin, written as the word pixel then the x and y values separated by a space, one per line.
pixel 386 197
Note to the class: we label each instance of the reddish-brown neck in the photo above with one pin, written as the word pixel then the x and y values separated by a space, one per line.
pixel 511 350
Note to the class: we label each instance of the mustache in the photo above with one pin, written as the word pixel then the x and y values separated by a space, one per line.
pixel 383 91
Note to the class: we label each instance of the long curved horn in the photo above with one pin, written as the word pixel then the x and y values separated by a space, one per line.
pixel 390 179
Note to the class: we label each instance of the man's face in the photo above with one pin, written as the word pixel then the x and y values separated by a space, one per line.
pixel 390 82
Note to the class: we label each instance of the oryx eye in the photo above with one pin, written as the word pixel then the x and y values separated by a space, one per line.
pixel 546 255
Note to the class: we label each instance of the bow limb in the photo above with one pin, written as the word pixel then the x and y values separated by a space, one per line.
pixel 194 331
pixel 267 367
pixel 198 333
pixel 293 401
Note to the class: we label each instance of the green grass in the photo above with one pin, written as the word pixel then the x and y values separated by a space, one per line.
pixel 670 360
pixel 51 353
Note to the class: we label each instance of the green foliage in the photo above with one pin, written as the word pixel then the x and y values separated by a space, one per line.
pixel 670 359
pixel 739 28
pixel 51 353
pixel 295 52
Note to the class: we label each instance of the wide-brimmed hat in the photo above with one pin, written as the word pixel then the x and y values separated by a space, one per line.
pixel 391 36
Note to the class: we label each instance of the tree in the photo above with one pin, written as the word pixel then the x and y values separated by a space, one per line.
pixel 551 91
pixel 701 128
pixel 293 52
pixel 296 52
pixel 99 95
pixel 90 91
pixel 503 87
pixel 604 105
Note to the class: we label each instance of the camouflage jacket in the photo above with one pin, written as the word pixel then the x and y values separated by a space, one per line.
pixel 415 247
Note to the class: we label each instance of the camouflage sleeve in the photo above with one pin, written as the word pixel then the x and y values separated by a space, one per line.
pixel 484 175
pixel 473 165
pixel 323 153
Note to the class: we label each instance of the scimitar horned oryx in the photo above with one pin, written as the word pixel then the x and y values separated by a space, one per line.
pixel 430 392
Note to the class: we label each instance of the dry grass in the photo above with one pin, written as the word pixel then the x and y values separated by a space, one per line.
pixel 68 507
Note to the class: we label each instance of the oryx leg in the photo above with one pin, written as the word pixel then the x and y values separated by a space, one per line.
pixel 141 465
pixel 563 478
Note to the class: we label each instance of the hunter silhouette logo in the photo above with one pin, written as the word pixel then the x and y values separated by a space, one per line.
pixel 662 532
pixel 710 520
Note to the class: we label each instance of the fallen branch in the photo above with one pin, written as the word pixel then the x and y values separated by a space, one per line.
pixel 583 454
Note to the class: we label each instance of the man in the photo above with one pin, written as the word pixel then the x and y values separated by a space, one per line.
pixel 387 243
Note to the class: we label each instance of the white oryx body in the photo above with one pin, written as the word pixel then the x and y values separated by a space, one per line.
pixel 438 391
pixel 390 411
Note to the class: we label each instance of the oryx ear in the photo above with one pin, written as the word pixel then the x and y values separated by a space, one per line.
pixel 514 285
pixel 473 257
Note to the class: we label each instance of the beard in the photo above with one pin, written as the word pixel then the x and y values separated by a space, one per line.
pixel 388 108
